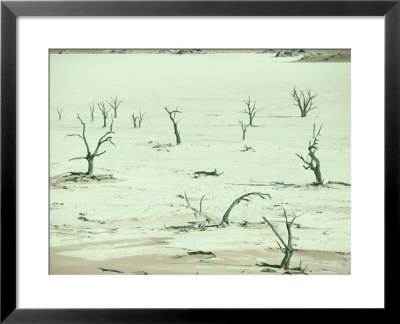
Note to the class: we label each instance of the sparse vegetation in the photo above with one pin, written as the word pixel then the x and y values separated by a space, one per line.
pixel 59 112
pixel 104 112
pixel 210 221
pixel 107 137
pixel 251 110
pixel 199 212
pixel 303 101
pixel 137 120
pixel 153 173
pixel 245 197
pixel 114 104
pixel 288 247
pixel 172 116
pixel 244 129
pixel 91 109
pixel 313 164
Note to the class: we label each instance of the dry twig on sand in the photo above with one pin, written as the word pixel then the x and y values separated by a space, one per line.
pixel 207 173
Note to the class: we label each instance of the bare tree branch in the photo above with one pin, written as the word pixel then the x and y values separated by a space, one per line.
pixel 288 247
pixel 90 157
pixel 137 120
pixel 225 218
pixel 104 112
pixel 197 211
pixel 59 112
pixel 244 129
pixel 172 116
pixel 78 158
pixel 91 109
pixel 303 101
pixel 250 110
pixel 314 164
pixel 114 104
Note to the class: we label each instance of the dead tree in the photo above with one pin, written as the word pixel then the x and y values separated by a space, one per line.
pixel 134 119
pixel 288 247
pixel 199 212
pixel 245 197
pixel 244 129
pixel 90 156
pixel 104 112
pixel 250 110
pixel 303 101
pixel 59 112
pixel 172 116
pixel 137 120
pixel 114 104
pixel 314 164
pixel 225 218
pixel 91 109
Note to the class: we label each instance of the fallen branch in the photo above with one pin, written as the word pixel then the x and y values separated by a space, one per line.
pixel 111 270
pixel 210 254
pixel 293 270
pixel 225 218
pixel 207 173
pixel 247 148
pixel 246 223
pixel 339 183
pixel 196 226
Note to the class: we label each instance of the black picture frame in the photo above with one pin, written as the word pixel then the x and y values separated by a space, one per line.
pixel 10 10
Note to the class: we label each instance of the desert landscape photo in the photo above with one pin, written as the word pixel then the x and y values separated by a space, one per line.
pixel 200 161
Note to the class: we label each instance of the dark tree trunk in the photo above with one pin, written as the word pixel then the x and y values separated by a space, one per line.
pixel 115 113
pixel 178 138
pixel 104 121
pixel 244 136
pixel 285 264
pixel 318 176
pixel 317 168
pixel 90 166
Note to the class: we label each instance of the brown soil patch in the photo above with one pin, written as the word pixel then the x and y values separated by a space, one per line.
pixel 220 262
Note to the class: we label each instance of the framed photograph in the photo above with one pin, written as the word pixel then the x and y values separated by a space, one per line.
pixel 160 158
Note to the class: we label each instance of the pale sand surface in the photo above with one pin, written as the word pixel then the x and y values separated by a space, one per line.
pixel 121 224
